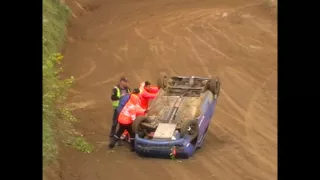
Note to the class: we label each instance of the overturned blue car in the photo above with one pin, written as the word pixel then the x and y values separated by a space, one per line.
pixel 178 118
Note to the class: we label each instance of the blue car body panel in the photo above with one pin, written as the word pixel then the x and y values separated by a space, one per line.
pixel 184 147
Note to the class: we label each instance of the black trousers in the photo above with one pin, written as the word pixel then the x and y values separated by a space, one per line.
pixel 122 128
pixel 114 122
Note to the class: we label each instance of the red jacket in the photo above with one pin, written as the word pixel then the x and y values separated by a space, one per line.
pixel 145 96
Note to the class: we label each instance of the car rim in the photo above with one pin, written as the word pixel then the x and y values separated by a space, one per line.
pixel 191 129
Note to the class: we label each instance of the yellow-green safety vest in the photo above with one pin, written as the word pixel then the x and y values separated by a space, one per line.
pixel 115 104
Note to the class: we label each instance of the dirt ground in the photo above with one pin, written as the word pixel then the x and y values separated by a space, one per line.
pixel 234 39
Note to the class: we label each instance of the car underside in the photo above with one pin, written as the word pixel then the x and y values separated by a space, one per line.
pixel 176 108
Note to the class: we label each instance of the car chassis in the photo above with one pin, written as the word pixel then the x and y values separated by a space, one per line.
pixel 178 118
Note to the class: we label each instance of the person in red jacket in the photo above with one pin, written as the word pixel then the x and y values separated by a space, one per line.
pixel 147 93
pixel 125 119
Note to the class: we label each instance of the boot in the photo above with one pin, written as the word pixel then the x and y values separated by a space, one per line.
pixel 113 142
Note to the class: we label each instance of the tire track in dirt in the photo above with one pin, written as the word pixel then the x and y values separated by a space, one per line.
pixel 255 97
pixel 246 143
pixel 92 68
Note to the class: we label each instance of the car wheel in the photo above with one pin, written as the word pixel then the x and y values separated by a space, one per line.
pixel 136 125
pixel 214 86
pixel 162 81
pixel 190 128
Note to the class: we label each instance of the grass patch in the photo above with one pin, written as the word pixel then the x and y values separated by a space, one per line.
pixel 82 145
pixel 55 17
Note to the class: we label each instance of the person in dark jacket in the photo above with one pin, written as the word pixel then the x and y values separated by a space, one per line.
pixel 118 91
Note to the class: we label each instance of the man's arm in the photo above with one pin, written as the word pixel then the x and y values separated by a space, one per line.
pixel 148 95
pixel 139 109
pixel 154 89
pixel 114 93
pixel 128 90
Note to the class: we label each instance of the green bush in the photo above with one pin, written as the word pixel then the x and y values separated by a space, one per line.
pixel 55 17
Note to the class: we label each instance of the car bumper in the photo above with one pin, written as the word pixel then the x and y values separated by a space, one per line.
pixel 163 149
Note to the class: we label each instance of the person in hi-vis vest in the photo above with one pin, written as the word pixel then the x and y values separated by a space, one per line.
pixel 117 92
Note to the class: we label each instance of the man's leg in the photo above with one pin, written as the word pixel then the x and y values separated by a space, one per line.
pixel 116 137
pixel 131 134
pixel 114 123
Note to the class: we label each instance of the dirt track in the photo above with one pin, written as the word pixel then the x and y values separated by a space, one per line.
pixel 234 39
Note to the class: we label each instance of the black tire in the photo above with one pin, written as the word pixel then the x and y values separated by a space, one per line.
pixel 214 86
pixel 185 129
pixel 162 81
pixel 137 122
